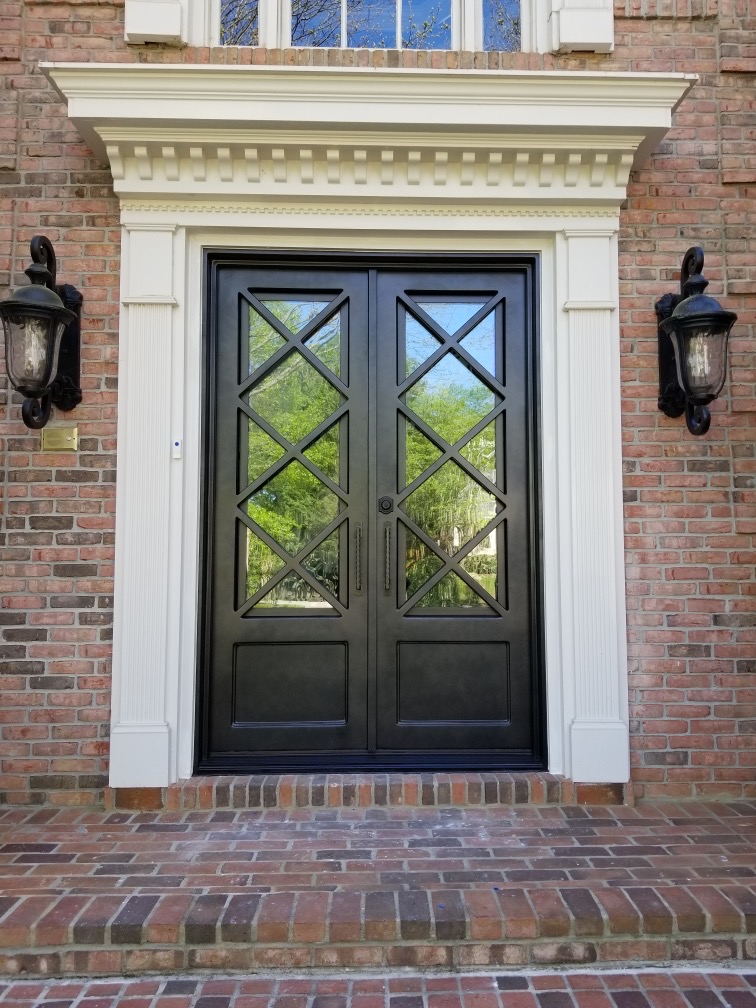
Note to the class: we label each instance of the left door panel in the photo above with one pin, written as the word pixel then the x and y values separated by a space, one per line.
pixel 286 648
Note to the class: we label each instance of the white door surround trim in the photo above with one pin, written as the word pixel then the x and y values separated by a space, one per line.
pixel 311 158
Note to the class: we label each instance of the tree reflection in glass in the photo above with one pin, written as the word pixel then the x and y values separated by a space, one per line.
pixel 449 505
pixel 426 24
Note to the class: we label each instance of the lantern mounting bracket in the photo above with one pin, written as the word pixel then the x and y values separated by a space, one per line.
pixel 671 399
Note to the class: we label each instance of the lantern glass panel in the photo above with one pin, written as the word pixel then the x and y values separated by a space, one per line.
pixel 702 356
pixel 31 347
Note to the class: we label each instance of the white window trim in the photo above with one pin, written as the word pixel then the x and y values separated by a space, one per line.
pixel 207 156
pixel 547 25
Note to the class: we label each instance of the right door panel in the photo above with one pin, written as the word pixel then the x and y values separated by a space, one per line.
pixel 455 596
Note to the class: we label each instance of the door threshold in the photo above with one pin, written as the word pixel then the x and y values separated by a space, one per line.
pixel 334 791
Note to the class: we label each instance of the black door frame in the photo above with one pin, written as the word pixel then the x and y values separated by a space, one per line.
pixel 385 261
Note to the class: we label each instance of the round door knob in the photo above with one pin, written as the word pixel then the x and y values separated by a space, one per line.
pixel 386 505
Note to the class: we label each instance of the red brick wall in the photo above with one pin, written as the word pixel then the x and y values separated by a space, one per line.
pixel 690 516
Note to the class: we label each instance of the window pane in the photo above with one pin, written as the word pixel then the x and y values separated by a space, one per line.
pixel 501 25
pixel 238 22
pixel 316 23
pixel 371 24
pixel 426 24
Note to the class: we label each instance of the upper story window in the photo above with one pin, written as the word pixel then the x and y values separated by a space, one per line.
pixel 372 24
pixel 461 25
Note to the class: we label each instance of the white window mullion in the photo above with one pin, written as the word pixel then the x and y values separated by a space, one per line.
pixel 467 25
pixel 274 23
pixel 344 37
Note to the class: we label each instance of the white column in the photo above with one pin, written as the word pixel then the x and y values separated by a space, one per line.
pixel 140 754
pixel 593 577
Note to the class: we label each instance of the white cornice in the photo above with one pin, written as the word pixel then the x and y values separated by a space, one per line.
pixel 173 130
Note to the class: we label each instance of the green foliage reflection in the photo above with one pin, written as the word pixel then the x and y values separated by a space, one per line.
pixel 294 397
pixel 450 592
pixel 450 398
pixel 293 507
pixel 450 507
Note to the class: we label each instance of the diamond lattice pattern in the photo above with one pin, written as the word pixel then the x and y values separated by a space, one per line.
pixel 293 507
pixel 294 397
pixel 450 507
pixel 450 398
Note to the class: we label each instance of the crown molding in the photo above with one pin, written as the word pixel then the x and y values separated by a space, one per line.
pixel 218 131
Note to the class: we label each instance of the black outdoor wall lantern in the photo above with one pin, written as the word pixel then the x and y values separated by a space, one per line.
pixel 42 339
pixel 693 331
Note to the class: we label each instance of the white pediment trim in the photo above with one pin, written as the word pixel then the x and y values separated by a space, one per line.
pixel 516 137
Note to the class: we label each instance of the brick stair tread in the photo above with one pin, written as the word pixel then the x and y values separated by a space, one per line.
pixel 137 892
pixel 502 989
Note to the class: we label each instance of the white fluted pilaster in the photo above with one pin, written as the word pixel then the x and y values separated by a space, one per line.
pixel 594 579
pixel 140 747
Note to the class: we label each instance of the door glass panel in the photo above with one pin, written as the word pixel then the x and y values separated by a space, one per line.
pixel 294 398
pixel 263 342
pixel 323 563
pixel 481 343
pixel 501 25
pixel 261 564
pixel 420 563
pixel 238 23
pixel 295 314
pixel 371 24
pixel 450 398
pixel 419 344
pixel 293 592
pixel 451 315
pixel 481 564
pixel 419 451
pixel 293 507
pixel 480 451
pixel 450 507
pixel 258 452
pixel 451 592
pixel 325 343
pixel 325 452
pixel 426 24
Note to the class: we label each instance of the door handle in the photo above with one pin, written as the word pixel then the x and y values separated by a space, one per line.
pixel 358 557
pixel 387 556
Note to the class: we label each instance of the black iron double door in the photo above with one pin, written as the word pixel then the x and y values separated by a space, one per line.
pixel 371 550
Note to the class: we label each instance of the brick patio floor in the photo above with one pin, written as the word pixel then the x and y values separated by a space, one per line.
pixel 666 989
pixel 89 892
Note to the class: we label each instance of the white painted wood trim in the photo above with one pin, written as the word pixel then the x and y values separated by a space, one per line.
pixel 532 162
pixel 599 729
pixel 155 21
pixel 140 744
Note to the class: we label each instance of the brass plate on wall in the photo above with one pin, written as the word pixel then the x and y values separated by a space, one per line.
pixel 60 439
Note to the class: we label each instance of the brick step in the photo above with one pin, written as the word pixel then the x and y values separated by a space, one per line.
pixel 88 892
pixel 367 790
pixel 440 930
pixel 663 988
